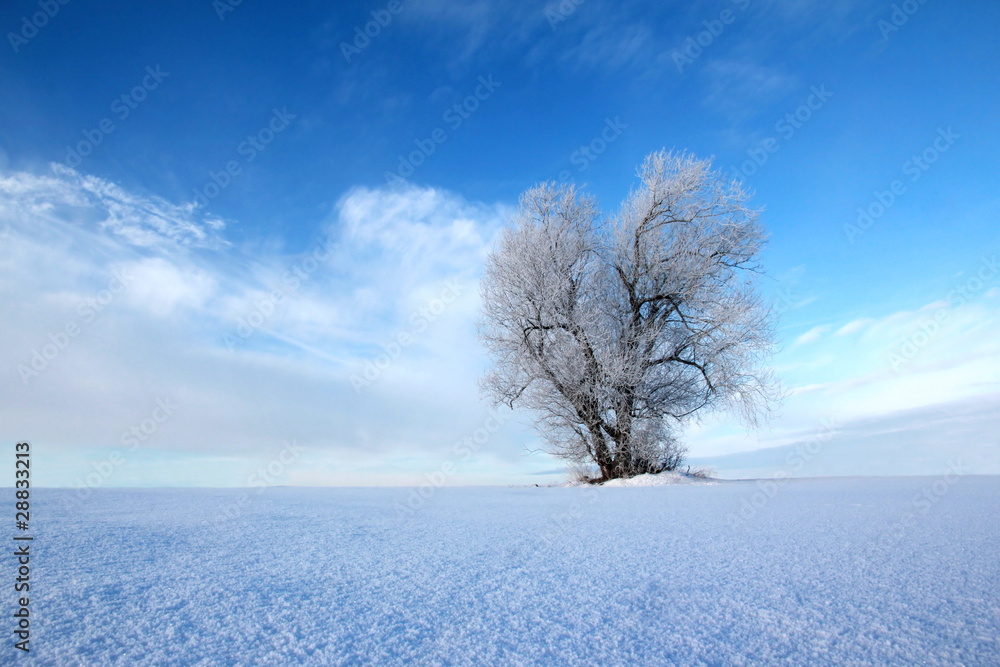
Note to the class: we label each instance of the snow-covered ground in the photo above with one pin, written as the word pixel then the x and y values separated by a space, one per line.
pixel 661 479
pixel 837 571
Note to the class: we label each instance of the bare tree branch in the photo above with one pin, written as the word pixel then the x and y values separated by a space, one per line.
pixel 617 331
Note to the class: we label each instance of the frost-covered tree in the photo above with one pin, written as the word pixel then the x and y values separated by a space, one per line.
pixel 616 332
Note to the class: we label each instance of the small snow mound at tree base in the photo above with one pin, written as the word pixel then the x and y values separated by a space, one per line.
pixel 665 478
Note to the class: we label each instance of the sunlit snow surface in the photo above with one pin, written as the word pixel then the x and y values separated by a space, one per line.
pixel 849 571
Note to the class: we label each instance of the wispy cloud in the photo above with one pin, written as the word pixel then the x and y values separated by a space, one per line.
pixel 390 253
pixel 812 335
pixel 854 326
pixel 739 88
pixel 949 357
pixel 65 195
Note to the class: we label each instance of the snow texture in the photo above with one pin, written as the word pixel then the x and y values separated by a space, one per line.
pixel 836 571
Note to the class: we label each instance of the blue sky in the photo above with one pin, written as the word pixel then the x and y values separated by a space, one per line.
pixel 229 165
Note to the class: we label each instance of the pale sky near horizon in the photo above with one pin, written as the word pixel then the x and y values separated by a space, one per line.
pixel 205 245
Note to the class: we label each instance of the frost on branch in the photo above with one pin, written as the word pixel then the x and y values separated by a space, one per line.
pixel 617 331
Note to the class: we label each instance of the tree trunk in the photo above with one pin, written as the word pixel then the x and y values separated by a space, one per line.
pixel 601 454
pixel 623 460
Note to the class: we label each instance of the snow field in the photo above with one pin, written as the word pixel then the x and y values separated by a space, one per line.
pixel 827 571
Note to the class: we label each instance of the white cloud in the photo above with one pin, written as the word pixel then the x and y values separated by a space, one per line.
pixel 805 389
pixel 164 335
pixel 68 196
pixel 738 88
pixel 812 335
pixel 610 47
pixel 854 326
pixel 162 287
pixel 950 357
pixel 915 441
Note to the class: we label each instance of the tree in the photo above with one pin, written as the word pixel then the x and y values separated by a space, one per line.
pixel 617 332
